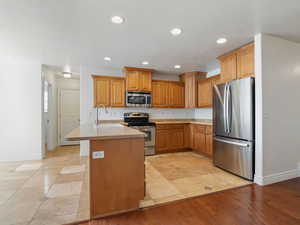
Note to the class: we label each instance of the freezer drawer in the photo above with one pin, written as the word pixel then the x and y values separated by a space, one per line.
pixel 234 156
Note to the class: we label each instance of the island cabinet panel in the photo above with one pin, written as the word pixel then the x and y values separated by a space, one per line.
pixel 160 94
pixel 138 79
pixel 117 179
pixel 109 91
pixel 245 61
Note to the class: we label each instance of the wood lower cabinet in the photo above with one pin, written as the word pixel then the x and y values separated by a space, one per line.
pixel 167 94
pixel 201 139
pixel 109 91
pixel 169 137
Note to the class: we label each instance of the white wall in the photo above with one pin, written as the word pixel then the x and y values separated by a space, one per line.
pixel 278 67
pixel 20 114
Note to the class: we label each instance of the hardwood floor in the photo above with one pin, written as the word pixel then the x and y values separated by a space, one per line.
pixel 277 204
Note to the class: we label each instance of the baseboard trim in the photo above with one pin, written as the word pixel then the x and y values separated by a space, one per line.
pixel 277 177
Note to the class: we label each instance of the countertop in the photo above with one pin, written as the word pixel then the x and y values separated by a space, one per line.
pixel 105 131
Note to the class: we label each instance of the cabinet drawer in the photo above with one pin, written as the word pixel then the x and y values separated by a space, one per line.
pixel 176 126
pixel 162 126
pixel 199 128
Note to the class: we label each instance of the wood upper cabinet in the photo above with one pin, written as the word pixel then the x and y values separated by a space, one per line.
pixel 117 92
pixel 101 91
pixel 238 63
pixel 190 80
pixel 132 81
pixel 176 95
pixel 145 81
pixel 138 79
pixel 228 67
pixel 109 91
pixel 167 94
pixel 160 94
pixel 205 91
pixel 245 61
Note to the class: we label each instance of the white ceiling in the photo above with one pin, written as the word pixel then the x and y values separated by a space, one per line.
pixel 80 31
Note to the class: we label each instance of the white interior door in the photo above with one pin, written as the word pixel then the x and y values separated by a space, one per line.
pixel 69 114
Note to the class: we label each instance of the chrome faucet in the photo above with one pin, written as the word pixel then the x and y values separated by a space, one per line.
pixel 97 109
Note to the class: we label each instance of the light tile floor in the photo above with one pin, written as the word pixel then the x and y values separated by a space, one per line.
pixel 52 191
pixel 176 176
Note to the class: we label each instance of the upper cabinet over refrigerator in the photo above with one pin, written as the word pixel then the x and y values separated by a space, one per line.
pixel 233 109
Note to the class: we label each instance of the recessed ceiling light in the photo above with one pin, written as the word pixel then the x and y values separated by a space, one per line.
pixel 176 31
pixel 117 19
pixel 221 40
pixel 67 75
pixel 145 62
pixel 107 58
pixel 177 66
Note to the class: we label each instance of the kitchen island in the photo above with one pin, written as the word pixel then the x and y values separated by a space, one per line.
pixel 117 171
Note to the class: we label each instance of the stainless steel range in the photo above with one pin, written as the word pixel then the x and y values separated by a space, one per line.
pixel 140 121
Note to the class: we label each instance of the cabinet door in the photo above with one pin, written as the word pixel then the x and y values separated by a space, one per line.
pixel 118 92
pixel 101 92
pixel 132 80
pixel 228 67
pixel 145 79
pixel 205 93
pixel 245 61
pixel 162 140
pixel 199 138
pixel 159 94
pixel 176 94
pixel 208 141
pixel 176 138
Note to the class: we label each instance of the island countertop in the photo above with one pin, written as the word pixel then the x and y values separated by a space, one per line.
pixel 105 131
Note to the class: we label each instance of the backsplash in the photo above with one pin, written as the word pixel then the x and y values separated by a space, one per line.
pixel 117 113
pixel 205 113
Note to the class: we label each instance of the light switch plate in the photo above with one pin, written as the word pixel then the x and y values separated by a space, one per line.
pixel 98 155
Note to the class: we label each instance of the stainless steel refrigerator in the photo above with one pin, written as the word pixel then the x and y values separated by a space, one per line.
pixel 233 119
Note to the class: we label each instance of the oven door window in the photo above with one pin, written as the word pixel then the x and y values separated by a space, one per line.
pixel 148 137
pixel 141 100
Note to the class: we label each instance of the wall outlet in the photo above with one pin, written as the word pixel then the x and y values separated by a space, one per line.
pixel 98 155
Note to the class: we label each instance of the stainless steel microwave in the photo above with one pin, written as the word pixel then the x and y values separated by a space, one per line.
pixel 138 99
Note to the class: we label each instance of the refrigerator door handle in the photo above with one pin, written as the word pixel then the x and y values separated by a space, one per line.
pixel 232 142
pixel 229 109
pixel 225 108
